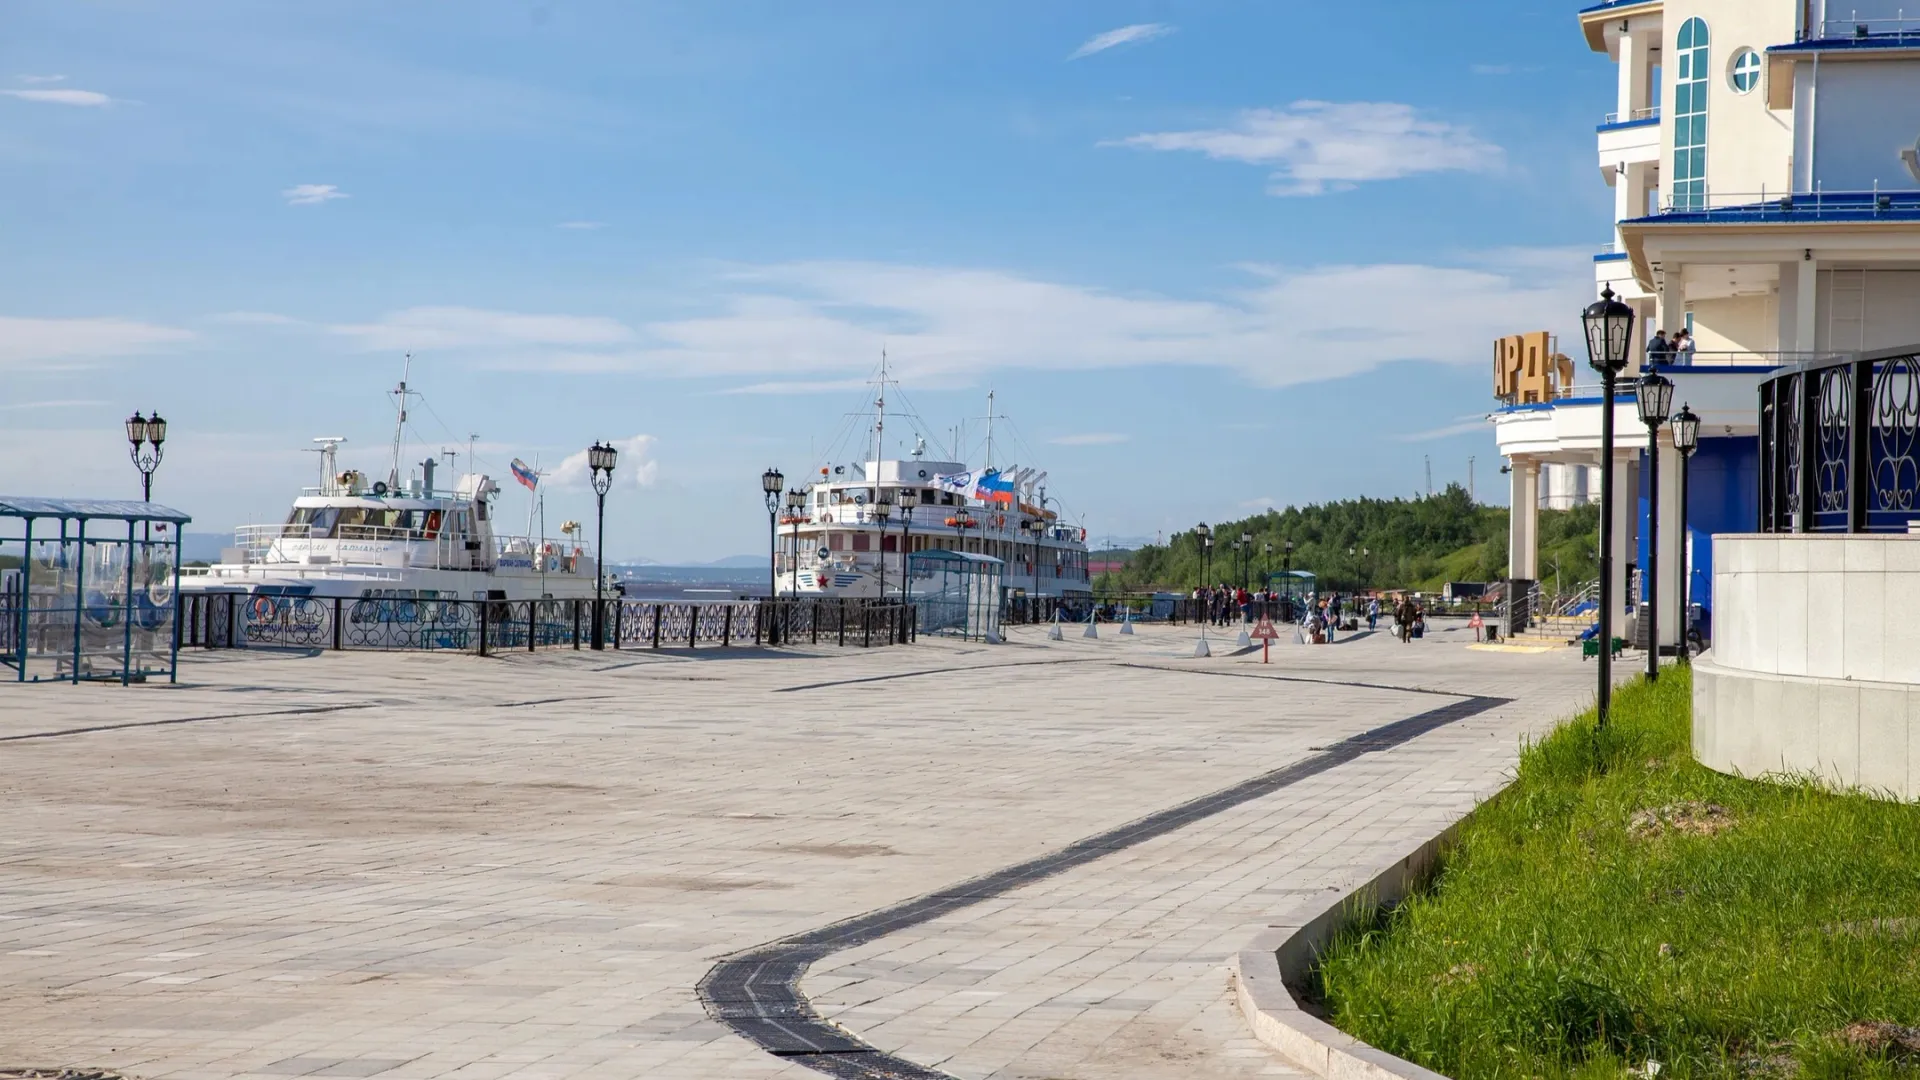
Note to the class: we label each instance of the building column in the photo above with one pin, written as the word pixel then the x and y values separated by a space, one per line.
pixel 1631 76
pixel 1806 307
pixel 1626 537
pixel 1523 529
pixel 1673 537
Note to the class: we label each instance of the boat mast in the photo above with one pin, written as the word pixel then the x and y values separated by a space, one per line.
pixel 880 418
pixel 989 429
pixel 399 424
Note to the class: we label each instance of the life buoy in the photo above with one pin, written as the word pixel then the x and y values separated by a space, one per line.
pixel 262 608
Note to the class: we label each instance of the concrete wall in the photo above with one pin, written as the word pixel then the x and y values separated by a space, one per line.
pixel 1815 667
pixel 1867 309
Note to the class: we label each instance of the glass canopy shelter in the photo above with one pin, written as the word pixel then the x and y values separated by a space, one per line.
pixel 956 593
pixel 88 589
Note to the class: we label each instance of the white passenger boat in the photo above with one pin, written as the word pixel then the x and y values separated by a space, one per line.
pixel 836 541
pixel 354 538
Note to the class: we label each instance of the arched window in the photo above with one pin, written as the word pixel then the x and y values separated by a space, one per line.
pixel 1745 72
pixel 1687 189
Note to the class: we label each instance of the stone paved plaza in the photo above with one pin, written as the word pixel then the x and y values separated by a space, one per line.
pixel 418 866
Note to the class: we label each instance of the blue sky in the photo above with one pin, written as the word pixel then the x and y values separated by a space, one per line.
pixel 1210 256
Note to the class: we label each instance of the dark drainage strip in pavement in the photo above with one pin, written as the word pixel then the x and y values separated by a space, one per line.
pixel 60 1074
pixel 757 992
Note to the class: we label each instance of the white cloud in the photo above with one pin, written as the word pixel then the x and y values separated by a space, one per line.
pixel 581 225
pixel 32 80
pixel 1125 35
pixel 815 322
pixel 460 327
pixel 39 342
pixel 69 403
pixel 255 318
pixel 61 97
pixel 1321 146
pixel 1095 438
pixel 312 194
pixel 1478 424
pixel 634 467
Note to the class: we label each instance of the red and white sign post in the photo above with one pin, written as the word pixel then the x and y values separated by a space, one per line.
pixel 1264 633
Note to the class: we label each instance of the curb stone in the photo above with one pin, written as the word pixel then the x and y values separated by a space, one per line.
pixel 1282 957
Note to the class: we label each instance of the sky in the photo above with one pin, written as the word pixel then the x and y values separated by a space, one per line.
pixel 1209 257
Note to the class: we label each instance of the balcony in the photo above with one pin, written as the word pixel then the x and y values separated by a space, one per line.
pixel 1742 360
pixel 1636 118
pixel 1631 141
pixel 1809 207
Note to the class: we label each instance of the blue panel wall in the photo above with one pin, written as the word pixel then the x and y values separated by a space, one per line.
pixel 1723 497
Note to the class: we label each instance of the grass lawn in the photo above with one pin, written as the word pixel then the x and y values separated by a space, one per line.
pixel 1620 905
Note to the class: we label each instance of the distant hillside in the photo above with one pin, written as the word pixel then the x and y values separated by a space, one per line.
pixel 1373 544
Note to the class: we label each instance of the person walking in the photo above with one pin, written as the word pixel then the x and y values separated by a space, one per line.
pixel 1373 614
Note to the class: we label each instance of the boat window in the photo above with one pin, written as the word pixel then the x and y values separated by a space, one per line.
pixel 433 524
pixel 323 521
pixel 861 542
pixel 927 495
pixel 836 541
pixel 481 509
pixel 300 515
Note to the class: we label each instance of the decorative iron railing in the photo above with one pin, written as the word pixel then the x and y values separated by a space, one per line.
pixel 214 620
pixel 1840 445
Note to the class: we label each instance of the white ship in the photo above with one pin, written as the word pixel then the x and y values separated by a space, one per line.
pixel 388 540
pixel 852 530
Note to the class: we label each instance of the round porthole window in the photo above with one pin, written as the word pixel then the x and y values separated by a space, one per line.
pixel 1744 73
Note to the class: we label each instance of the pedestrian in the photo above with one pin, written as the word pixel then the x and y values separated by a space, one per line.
pixel 1373 614
pixel 1333 616
pixel 1682 348
pixel 1659 349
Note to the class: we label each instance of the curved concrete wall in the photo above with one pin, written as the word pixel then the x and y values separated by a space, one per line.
pixel 1815 667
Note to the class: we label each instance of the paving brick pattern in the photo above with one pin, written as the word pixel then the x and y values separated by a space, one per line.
pixel 443 866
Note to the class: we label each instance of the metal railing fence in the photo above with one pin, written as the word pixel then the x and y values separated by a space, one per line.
pixel 231 620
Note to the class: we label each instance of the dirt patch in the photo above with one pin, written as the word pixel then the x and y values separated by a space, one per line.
pixel 1458 973
pixel 1899 926
pixel 1880 1037
pixel 1689 818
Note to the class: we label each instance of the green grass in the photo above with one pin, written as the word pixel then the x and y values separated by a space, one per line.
pixel 1558 940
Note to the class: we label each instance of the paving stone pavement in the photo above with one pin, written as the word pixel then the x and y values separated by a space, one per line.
pixel 414 866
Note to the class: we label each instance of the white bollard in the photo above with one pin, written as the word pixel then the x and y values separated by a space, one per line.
pixel 1053 632
pixel 1246 639
pixel 1092 632
pixel 1200 649
pixel 1126 624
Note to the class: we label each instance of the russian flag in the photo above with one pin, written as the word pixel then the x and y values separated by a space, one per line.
pixel 524 474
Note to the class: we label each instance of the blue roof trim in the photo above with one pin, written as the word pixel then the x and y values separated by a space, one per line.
pixel 1610 256
pixel 1909 40
pixel 1801 208
pixel 21 506
pixel 1609 5
pixel 1622 393
pixel 1617 125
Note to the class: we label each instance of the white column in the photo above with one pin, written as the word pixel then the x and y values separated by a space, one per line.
pixel 1523 530
pixel 1626 515
pixel 1631 76
pixel 1672 541
pixel 1806 306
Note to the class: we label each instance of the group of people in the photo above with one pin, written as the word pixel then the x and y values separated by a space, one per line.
pixel 1677 349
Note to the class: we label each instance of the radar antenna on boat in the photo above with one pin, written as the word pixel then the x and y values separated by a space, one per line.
pixel 329 467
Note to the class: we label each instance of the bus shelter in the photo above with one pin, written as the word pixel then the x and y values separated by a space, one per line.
pixel 956 593
pixel 89 589
pixel 1294 590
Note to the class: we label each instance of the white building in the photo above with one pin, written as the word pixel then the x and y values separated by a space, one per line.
pixel 1765 162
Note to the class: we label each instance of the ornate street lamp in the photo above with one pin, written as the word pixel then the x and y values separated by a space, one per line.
pixel 1286 585
pixel 1609 328
pixel 883 510
pixel 1686 439
pixel 909 499
pixel 143 432
pixel 1205 537
pixel 772 483
pixel 600 460
pixel 1246 557
pixel 1655 399
pixel 962 517
pixel 796 504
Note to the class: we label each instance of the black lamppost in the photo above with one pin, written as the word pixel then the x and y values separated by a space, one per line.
pixel 1205 536
pixel 882 511
pixel 796 507
pixel 1686 439
pixel 962 517
pixel 1286 584
pixel 600 459
pixel 1246 557
pixel 1266 567
pixel 772 483
pixel 1655 399
pixel 1609 327
pixel 143 432
pixel 909 499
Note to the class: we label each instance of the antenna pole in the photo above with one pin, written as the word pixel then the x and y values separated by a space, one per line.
pixel 989 429
pixel 399 423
